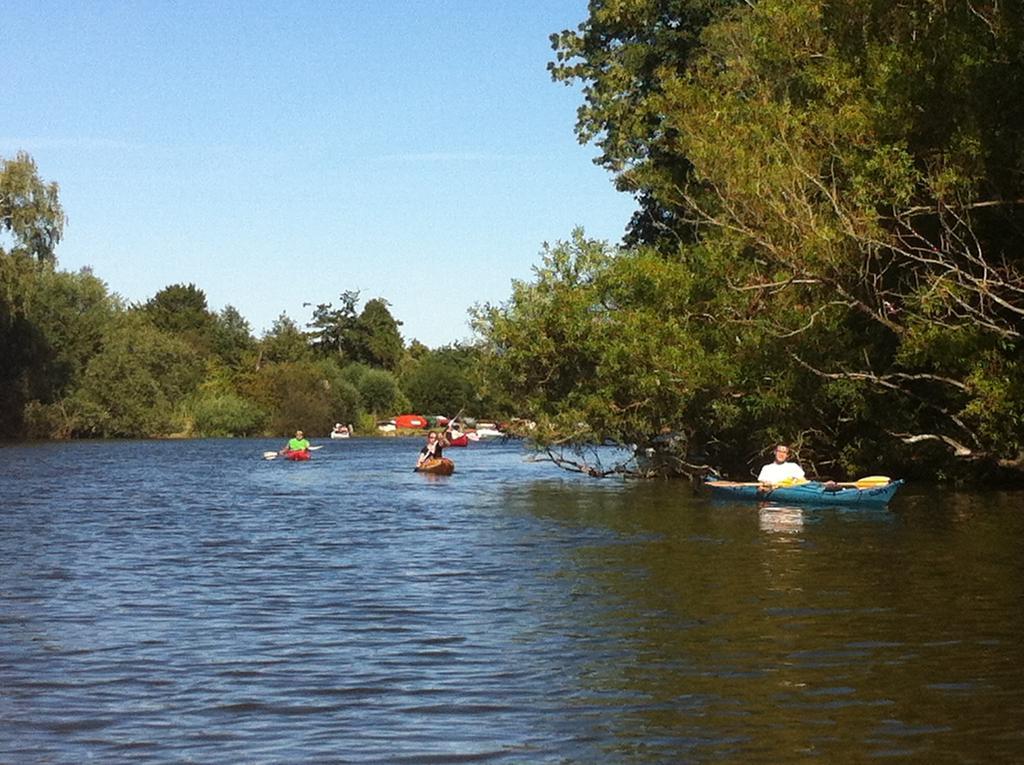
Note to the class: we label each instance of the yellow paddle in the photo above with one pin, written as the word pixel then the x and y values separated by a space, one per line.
pixel 868 482
pixel 791 482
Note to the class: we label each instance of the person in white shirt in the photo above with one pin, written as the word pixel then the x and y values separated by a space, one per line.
pixel 780 470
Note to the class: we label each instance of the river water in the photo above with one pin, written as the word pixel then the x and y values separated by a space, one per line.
pixel 191 602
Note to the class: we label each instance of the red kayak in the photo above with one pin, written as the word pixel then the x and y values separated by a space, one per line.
pixel 299 455
pixel 460 440
pixel 410 421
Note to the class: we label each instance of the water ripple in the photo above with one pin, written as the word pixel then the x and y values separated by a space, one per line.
pixel 191 602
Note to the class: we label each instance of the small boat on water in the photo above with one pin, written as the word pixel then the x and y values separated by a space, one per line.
pixel 488 430
pixel 443 466
pixel 863 492
pixel 340 431
pixel 462 439
pixel 298 455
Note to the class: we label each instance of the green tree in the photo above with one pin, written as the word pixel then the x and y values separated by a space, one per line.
pixel 380 393
pixel 606 345
pixel 36 359
pixel 311 395
pixel 369 337
pixel 233 341
pixel 848 177
pixel 441 382
pixel 379 342
pixel 285 342
pixel 227 414
pixel 30 211
pixel 74 312
pixel 70 315
pixel 136 385
pixel 334 331
pixel 181 310
pixel 866 199
pixel 620 55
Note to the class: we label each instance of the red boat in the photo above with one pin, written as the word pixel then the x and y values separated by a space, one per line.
pixel 410 421
pixel 460 440
pixel 299 455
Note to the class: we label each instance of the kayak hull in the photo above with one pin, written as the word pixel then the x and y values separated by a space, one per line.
pixel 443 466
pixel 488 433
pixel 811 493
pixel 299 455
pixel 462 440
pixel 410 421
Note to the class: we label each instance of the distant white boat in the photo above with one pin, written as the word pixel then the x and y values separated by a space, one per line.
pixel 488 431
pixel 341 431
pixel 338 434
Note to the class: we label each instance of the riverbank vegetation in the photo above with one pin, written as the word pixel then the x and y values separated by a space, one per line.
pixel 827 248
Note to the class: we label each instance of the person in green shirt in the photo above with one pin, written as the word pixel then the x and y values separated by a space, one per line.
pixel 297 444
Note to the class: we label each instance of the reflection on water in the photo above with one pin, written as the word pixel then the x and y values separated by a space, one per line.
pixel 191 601
pixel 781 519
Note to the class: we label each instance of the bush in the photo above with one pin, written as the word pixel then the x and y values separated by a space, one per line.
pixel 226 414
pixel 346 402
pixel 380 392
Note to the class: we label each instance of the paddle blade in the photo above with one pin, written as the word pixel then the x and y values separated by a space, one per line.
pixel 792 482
pixel 269 455
pixel 872 480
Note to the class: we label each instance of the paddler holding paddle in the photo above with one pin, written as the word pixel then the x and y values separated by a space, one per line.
pixel 297 444
pixel 782 471
pixel 433 449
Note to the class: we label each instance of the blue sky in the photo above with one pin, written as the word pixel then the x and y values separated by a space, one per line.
pixel 276 154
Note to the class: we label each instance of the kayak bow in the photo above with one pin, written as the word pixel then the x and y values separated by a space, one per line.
pixel 443 466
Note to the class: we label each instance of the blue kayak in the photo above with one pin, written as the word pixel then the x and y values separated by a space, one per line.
pixel 810 493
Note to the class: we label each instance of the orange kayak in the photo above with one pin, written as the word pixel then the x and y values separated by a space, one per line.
pixel 443 466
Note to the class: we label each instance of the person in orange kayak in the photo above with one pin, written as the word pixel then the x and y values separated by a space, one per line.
pixel 433 449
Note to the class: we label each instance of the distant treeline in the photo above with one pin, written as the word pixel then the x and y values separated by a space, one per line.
pixel 828 247
pixel 78 361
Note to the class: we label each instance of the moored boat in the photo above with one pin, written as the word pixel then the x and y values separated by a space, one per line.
pixel 488 430
pixel 410 421
pixel 811 492
pixel 443 466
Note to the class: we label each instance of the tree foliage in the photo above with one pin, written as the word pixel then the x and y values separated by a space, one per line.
pixel 380 392
pixel 78 362
pixel 134 385
pixel 380 343
pixel 443 381
pixel 368 337
pixel 839 199
pixel 30 212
